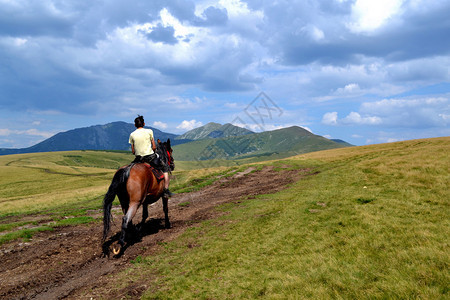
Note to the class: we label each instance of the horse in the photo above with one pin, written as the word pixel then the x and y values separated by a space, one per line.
pixel 136 185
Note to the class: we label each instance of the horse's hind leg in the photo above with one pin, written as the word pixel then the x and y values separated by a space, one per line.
pixel 126 221
pixel 144 215
pixel 166 211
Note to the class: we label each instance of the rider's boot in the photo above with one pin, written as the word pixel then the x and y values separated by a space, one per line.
pixel 167 193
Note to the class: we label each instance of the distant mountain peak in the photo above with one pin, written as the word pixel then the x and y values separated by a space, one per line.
pixel 282 142
pixel 212 124
pixel 111 136
pixel 214 130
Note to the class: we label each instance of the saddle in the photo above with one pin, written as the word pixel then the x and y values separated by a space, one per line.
pixel 153 162
pixel 158 173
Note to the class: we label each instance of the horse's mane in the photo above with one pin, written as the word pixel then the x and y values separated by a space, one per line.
pixel 164 150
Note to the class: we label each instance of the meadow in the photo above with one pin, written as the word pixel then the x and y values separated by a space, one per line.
pixel 41 191
pixel 373 222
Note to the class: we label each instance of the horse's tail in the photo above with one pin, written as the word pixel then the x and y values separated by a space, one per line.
pixel 119 179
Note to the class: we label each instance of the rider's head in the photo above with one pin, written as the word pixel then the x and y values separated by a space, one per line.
pixel 139 122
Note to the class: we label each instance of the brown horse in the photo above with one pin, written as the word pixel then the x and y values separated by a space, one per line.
pixel 135 185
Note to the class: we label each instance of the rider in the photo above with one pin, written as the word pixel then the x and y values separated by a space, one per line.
pixel 143 147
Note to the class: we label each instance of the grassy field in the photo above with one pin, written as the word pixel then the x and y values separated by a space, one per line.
pixel 39 191
pixel 372 223
pixel 36 183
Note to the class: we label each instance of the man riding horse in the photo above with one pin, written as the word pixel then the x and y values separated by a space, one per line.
pixel 143 147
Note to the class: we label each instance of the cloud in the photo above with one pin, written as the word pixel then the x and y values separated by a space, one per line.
pixel 51 61
pixel 306 128
pixel 341 45
pixel 181 103
pixel 369 15
pixel 5 131
pixel 33 132
pixel 23 138
pixel 233 105
pixel 426 112
pixel 348 89
pixel 212 16
pixel 36 132
pixel 160 125
pixel 189 125
pixel 88 55
pixel 353 118
pixel 34 18
pixel 330 118
pixel 111 58
pixel 420 70
pixel 315 33
pixel 163 34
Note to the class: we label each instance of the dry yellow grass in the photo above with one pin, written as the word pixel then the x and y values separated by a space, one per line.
pixel 38 182
pixel 31 183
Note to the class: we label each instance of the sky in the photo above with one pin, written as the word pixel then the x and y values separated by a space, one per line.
pixel 358 70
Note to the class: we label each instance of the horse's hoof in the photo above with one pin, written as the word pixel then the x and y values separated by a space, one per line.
pixel 116 248
pixel 168 226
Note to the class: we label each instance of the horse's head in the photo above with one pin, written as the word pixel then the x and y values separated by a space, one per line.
pixel 166 148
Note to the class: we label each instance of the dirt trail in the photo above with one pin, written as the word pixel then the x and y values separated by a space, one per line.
pixel 68 262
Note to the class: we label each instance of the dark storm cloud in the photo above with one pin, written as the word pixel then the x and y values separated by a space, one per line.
pixel 33 18
pixel 38 82
pixel 85 22
pixel 212 16
pixel 220 70
pixel 398 45
pixel 183 10
pixel 163 34
pixel 70 55
pixel 416 35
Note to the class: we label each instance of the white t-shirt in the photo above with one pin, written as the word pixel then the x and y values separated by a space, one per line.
pixel 142 140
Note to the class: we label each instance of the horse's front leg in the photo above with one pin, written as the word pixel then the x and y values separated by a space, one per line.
pixel 126 221
pixel 166 211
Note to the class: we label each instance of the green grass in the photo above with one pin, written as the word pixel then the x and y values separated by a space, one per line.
pixel 63 186
pixel 9 226
pixel 373 223
pixel 53 189
pixel 24 234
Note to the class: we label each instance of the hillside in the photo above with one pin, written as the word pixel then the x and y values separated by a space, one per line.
pixel 112 136
pixel 283 142
pixel 212 141
pixel 214 130
pixel 367 222
pixel 342 142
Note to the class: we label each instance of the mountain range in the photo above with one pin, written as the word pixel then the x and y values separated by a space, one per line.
pixel 112 136
pixel 282 142
pixel 214 130
pixel 211 141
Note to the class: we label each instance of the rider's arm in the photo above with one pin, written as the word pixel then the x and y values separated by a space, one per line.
pixel 153 145
pixel 132 148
